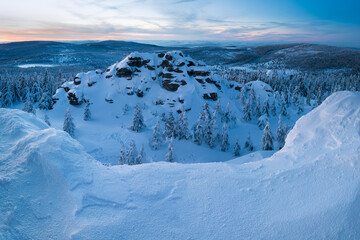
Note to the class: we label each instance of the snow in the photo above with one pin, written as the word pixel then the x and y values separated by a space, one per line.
pixel 110 127
pixel 51 188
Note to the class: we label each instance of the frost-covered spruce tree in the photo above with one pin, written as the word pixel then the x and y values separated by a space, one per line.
pixel 169 129
pixel 257 112
pixel 281 133
pixel 170 157
pixel 8 95
pixel 283 110
pixel 248 144
pixel 273 108
pixel 125 109
pixel 183 131
pixel 227 114
pixel 69 125
pixel 262 121
pixel 267 138
pixel 138 121
pixel 46 119
pixel 46 101
pixel 156 139
pixel 87 112
pixel 122 157
pixel 131 153
pixel 140 158
pixel 29 107
pixel 218 107
pixel 214 131
pixel 266 107
pixel 225 138
pixel 36 91
pixel 207 129
pixel 237 148
pixel 198 130
pixel 246 112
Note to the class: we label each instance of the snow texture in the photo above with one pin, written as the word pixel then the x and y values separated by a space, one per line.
pixel 52 189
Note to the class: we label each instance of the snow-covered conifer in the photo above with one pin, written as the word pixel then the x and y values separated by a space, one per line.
pixel 262 121
pixel 267 138
pixel 169 129
pixel 140 158
pixel 131 153
pixel 138 121
pixel 183 130
pixel 266 107
pixel 246 112
pixel 46 101
pixel 257 112
pixel 122 157
pixel 69 125
pixel 248 144
pixel 29 107
pixel 87 112
pixel 170 157
pixel 156 137
pixel 283 110
pixel 225 138
pixel 214 131
pixel 280 133
pixel 237 148
pixel 273 108
pixel 198 130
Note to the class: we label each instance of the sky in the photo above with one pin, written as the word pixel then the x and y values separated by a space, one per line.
pixel 319 21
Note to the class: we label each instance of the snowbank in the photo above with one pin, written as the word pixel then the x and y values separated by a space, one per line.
pixel 52 189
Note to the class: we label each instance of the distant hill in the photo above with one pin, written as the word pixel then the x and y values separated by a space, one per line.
pixel 90 55
pixel 309 57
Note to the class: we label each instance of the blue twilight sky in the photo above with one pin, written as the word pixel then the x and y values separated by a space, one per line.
pixel 321 21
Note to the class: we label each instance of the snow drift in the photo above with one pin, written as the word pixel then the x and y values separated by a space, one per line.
pixel 52 189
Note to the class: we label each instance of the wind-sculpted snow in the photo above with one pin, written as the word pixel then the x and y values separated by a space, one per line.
pixel 51 189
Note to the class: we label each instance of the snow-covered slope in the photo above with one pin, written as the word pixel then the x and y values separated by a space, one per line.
pixel 52 189
pixel 160 84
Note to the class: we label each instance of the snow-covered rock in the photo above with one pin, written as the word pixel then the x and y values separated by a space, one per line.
pixel 51 188
pixel 169 79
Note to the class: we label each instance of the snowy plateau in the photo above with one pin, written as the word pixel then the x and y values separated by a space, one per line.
pixel 57 186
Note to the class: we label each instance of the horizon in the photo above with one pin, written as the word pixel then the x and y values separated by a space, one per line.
pixel 332 23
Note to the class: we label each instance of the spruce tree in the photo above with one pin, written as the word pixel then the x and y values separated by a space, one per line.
pixel 227 114
pixel 266 107
pixel 267 138
pixel 87 112
pixel 170 157
pixel 237 148
pixel 283 110
pixel 183 125
pixel 140 158
pixel 169 129
pixel 156 137
pixel 246 112
pixel 131 153
pixel 280 133
pixel 29 107
pixel 214 131
pixel 257 112
pixel 248 144
pixel 138 121
pixel 225 138
pixel 273 108
pixel 122 157
pixel 46 101
pixel 198 130
pixel 69 125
